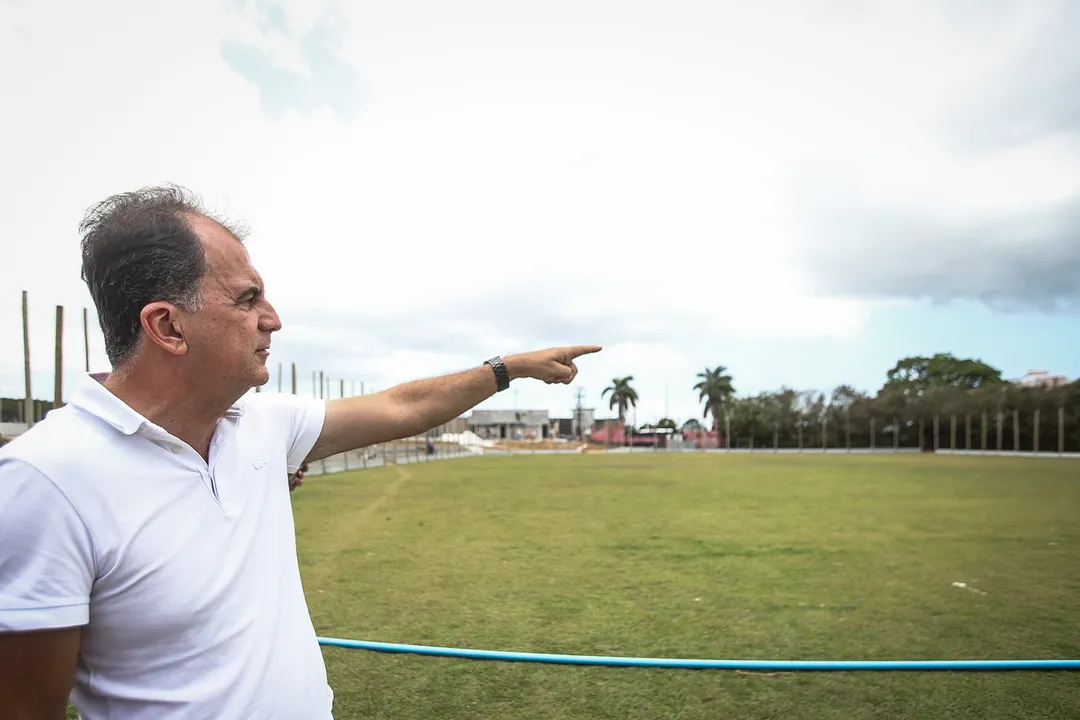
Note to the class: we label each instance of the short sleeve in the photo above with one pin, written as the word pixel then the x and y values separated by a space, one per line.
pixel 46 555
pixel 301 419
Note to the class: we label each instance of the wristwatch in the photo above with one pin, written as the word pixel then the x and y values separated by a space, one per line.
pixel 502 376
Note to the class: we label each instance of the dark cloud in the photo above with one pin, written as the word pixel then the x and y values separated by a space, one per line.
pixel 1026 262
pixel 857 243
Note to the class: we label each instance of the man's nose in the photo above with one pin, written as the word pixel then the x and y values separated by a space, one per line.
pixel 270 322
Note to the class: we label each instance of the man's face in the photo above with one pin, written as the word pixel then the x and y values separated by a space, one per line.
pixel 229 338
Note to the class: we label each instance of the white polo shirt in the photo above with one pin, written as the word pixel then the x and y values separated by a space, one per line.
pixel 184 575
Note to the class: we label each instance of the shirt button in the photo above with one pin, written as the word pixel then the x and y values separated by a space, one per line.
pixel 176 448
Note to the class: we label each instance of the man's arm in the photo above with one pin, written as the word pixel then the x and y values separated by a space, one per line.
pixel 415 407
pixel 37 670
pixel 46 575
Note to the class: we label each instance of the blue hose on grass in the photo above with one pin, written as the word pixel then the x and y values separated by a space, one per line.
pixel 761 665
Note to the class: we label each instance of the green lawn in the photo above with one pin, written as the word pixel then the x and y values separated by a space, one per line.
pixel 763 557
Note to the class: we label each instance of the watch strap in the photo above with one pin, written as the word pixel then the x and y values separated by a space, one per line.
pixel 502 375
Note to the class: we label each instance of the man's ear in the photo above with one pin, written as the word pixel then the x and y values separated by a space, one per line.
pixel 162 324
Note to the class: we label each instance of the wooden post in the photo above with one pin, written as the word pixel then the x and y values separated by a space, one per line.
pixel 937 442
pixel 28 405
pixel 1035 438
pixel 952 433
pixel 86 338
pixel 58 378
pixel 1000 431
pixel 1016 431
pixel 982 428
pixel 1061 430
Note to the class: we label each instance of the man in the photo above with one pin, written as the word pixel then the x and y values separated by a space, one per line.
pixel 147 554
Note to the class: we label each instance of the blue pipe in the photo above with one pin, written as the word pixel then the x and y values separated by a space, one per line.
pixel 765 665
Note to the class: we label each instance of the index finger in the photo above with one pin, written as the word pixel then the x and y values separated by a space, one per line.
pixel 579 350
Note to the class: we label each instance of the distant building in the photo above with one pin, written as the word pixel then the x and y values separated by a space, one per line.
pixel 510 424
pixel 1042 378
pixel 457 425
pixel 609 431
pixel 567 427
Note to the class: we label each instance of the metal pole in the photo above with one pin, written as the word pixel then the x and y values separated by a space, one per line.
pixel 294 378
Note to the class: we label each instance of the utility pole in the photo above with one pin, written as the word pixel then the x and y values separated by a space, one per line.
pixel 579 412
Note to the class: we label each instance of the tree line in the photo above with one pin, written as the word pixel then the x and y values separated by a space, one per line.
pixel 936 402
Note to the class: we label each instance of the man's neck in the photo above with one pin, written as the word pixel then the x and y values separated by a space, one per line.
pixel 164 401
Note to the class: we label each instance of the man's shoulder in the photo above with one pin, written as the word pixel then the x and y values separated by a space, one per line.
pixel 278 403
pixel 63 431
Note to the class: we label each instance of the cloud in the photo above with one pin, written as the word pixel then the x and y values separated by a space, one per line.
pixel 431 183
pixel 1020 261
pixel 982 203
pixel 295 71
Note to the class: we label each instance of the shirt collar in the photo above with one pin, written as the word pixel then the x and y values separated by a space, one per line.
pixel 94 398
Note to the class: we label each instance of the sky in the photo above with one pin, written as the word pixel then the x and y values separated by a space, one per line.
pixel 803 192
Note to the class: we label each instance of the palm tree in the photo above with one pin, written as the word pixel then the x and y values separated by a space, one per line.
pixel 622 395
pixel 715 389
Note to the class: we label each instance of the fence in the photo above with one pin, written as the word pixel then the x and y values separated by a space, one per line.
pixel 989 445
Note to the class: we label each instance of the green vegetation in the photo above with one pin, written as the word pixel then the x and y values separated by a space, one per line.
pixel 975 408
pixel 623 396
pixel 719 556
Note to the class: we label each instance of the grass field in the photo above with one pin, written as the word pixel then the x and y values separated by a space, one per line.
pixel 763 557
